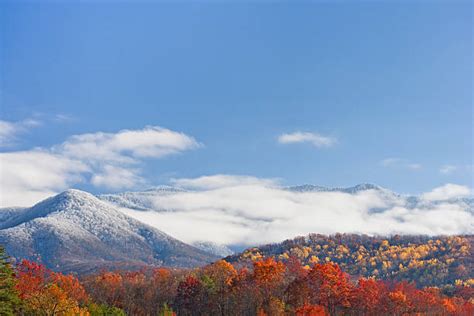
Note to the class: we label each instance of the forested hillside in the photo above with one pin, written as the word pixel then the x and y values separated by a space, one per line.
pixel 302 277
pixel 269 288
pixel 429 261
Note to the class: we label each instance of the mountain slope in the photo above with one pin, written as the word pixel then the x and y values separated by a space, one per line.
pixel 141 200
pixel 76 231
pixel 213 248
pixel 427 260
pixel 351 190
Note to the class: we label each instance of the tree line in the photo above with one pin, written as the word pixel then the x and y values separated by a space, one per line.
pixel 267 287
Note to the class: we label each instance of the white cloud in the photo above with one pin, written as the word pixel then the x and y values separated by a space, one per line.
pixel 29 176
pixel 242 211
pixel 126 145
pixel 10 130
pixel 394 162
pixel 105 159
pixel 115 177
pixel 390 162
pixel 447 169
pixel 221 181
pixel 63 118
pixel 414 166
pixel 316 140
pixel 447 191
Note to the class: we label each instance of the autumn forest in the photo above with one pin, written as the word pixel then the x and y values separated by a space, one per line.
pixel 313 275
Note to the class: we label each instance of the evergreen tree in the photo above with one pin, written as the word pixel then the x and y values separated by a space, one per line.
pixel 8 294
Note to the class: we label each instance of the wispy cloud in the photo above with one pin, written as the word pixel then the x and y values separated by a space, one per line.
pixel 63 118
pixel 10 130
pixel 314 139
pixel 414 166
pixel 221 181
pixel 448 169
pixel 394 162
pixel 109 160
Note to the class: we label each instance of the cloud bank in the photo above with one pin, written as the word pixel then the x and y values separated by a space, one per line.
pixel 242 210
pixel 446 192
pixel 109 160
pixel 314 139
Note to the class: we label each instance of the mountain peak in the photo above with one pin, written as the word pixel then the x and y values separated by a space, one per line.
pixel 75 227
pixel 75 194
pixel 65 200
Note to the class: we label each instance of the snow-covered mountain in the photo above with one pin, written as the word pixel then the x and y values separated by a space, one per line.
pixel 75 231
pixel 78 231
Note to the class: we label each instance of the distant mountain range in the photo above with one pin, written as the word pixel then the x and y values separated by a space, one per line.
pixel 75 231
pixel 410 201
pixel 150 199
pixel 318 188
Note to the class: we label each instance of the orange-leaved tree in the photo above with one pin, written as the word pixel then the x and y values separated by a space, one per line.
pixel 44 292
pixel 330 287
pixel 268 276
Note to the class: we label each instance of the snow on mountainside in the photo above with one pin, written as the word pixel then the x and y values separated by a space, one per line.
pixel 75 231
pixel 78 231
pixel 213 248
pixel 143 201
pixel 408 201
pixel 351 190
pixel 10 215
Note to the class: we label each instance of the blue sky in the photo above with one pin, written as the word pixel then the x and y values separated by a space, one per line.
pixel 389 82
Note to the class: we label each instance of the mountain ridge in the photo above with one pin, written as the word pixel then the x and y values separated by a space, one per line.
pixel 74 228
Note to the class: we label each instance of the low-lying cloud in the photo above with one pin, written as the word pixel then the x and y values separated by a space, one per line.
pixel 259 212
pixel 446 192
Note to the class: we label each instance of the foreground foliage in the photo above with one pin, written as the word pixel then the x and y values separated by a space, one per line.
pixel 263 286
pixel 9 299
pixel 270 288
